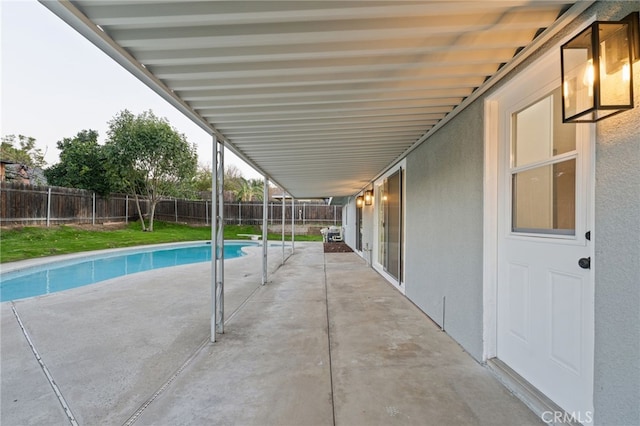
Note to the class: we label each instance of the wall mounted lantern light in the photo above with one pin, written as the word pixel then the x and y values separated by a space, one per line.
pixel 368 197
pixel 359 201
pixel 597 74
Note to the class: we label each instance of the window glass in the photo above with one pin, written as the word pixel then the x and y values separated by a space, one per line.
pixel 539 134
pixel 544 199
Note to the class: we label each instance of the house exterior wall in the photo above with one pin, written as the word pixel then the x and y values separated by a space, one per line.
pixel 349 223
pixel 349 211
pixel 444 235
pixel 617 267
pixel 444 201
pixel 617 256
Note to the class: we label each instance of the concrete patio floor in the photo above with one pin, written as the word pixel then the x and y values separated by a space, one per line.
pixel 326 342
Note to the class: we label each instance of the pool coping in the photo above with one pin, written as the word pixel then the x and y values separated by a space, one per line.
pixel 10 267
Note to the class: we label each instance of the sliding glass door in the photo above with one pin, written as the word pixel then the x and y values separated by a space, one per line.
pixel 393 225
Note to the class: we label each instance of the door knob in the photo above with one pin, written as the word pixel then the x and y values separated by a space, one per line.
pixel 585 263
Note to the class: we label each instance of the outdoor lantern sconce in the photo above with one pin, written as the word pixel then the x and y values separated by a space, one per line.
pixel 359 201
pixel 597 74
pixel 368 197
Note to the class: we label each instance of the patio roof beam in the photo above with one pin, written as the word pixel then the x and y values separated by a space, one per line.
pixel 285 122
pixel 436 72
pixel 323 130
pixel 329 119
pixel 437 44
pixel 138 14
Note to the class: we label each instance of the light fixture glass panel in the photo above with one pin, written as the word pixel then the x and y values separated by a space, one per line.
pixel 579 74
pixel 615 64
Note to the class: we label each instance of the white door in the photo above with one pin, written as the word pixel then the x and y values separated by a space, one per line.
pixel 544 292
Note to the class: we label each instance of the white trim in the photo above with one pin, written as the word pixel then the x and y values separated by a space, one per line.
pixel 375 262
pixel 490 210
pixel 517 93
pixel 490 232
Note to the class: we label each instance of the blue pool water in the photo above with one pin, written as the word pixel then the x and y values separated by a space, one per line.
pixel 58 276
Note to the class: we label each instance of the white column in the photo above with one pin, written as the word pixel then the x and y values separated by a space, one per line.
pixel 265 214
pixel 220 242
pixel 214 240
pixel 283 206
pixel 217 239
pixel 293 224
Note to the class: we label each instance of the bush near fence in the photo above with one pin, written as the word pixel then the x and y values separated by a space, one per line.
pixel 24 204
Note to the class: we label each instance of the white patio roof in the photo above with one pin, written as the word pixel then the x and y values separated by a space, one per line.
pixel 320 96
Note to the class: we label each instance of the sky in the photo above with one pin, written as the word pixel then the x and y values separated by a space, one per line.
pixel 54 83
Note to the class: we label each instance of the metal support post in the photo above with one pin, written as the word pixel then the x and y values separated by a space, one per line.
pixel 220 242
pixel 48 207
pixel 293 224
pixel 283 207
pixel 265 197
pixel 175 208
pixel 217 240
pixel 214 227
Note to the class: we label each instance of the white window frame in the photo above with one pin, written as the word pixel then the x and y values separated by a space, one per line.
pixel 376 263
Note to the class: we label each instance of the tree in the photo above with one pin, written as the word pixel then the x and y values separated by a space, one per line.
pixel 202 179
pixel 82 164
pixel 150 158
pixel 22 150
pixel 232 179
pixel 251 190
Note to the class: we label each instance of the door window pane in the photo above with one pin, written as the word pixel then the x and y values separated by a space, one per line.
pixel 539 134
pixel 544 199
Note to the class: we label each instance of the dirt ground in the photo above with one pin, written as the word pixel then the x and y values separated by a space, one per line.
pixel 337 248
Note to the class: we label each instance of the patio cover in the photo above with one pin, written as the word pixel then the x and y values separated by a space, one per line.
pixel 319 96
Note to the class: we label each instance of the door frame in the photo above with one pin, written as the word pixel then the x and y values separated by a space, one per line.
pixel 376 262
pixel 491 213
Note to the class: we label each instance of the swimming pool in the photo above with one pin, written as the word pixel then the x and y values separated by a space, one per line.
pixel 58 276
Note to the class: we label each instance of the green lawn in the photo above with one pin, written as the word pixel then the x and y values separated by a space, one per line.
pixel 32 242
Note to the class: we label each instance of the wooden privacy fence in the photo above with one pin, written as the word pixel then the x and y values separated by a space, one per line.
pixel 23 204
pixel 199 211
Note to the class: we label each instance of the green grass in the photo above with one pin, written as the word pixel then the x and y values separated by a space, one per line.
pixel 34 242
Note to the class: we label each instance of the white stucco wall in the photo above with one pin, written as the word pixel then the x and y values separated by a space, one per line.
pixel 616 262
pixel 444 201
